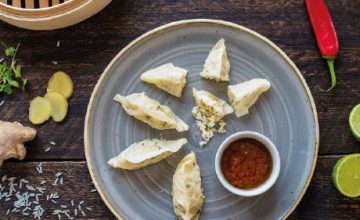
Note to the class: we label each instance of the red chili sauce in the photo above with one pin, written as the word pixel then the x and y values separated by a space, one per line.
pixel 246 163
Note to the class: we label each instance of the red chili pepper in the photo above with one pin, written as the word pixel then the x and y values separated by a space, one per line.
pixel 325 34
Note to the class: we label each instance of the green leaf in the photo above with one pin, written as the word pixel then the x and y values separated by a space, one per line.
pixel 17 71
pixel 24 82
pixel 14 83
pixel 9 73
pixel 10 51
pixel 8 90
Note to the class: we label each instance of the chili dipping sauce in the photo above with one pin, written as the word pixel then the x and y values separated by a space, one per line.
pixel 246 163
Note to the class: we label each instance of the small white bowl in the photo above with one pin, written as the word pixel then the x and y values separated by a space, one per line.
pixel 275 169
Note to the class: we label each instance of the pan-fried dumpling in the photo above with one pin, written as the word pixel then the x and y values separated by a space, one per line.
pixel 217 65
pixel 151 112
pixel 243 95
pixel 167 77
pixel 188 197
pixel 145 153
pixel 209 112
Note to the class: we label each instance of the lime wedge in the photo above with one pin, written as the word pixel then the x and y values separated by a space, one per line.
pixel 354 121
pixel 346 175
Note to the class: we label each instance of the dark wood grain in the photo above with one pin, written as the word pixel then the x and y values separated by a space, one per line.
pixel 77 186
pixel 86 49
pixel 322 200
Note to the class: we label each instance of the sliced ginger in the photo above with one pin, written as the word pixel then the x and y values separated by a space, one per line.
pixel 61 82
pixel 59 105
pixel 40 110
pixel 12 138
pixel 55 104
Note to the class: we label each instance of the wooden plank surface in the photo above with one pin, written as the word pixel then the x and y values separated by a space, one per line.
pixel 85 49
pixel 77 186
pixel 322 201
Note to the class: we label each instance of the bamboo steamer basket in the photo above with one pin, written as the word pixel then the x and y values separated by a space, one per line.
pixel 48 14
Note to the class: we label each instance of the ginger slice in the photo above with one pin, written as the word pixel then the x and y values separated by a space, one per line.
pixel 12 138
pixel 39 110
pixel 61 82
pixel 59 105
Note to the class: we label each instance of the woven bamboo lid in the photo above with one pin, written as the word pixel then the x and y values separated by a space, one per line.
pixel 48 14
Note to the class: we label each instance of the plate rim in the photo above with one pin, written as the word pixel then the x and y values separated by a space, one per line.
pixel 161 28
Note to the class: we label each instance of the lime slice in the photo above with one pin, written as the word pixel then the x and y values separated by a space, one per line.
pixel 354 121
pixel 346 175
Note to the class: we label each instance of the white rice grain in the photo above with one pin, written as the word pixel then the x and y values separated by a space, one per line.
pixel 39 168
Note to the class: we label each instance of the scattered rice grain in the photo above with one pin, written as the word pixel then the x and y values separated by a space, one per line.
pixel 39 168
pixel 3 178
pixel 55 182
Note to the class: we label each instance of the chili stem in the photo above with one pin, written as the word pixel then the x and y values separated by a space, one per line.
pixel 330 62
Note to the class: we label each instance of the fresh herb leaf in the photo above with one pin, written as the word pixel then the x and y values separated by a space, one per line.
pixel 17 71
pixel 10 75
pixel 24 82
pixel 14 83
pixel 10 52
pixel 8 90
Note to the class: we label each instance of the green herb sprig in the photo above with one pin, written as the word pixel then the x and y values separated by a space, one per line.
pixel 10 75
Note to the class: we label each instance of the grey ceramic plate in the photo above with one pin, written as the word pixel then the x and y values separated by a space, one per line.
pixel 286 114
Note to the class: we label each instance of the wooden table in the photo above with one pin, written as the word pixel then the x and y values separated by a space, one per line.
pixel 86 48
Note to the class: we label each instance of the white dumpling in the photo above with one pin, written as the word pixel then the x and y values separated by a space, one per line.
pixel 211 103
pixel 243 95
pixel 145 153
pixel 167 77
pixel 217 65
pixel 151 112
pixel 209 112
pixel 188 197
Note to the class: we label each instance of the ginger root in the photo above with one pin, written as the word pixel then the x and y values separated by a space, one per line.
pixel 12 138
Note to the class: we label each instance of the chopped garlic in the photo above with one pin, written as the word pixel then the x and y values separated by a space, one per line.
pixel 209 112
